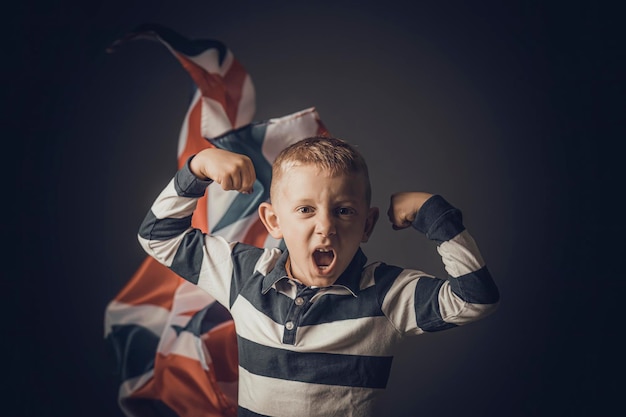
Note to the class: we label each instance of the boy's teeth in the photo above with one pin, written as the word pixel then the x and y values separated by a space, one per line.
pixel 323 257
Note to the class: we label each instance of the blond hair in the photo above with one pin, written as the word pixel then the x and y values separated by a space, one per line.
pixel 332 155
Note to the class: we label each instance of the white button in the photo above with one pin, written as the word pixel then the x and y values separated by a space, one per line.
pixel 289 325
pixel 299 301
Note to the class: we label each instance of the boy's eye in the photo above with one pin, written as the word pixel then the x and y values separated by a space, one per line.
pixel 345 211
pixel 304 210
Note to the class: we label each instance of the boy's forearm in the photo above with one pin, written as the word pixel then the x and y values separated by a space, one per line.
pixel 170 216
pixel 474 293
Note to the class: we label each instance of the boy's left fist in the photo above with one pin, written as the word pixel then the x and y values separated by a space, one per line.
pixel 404 206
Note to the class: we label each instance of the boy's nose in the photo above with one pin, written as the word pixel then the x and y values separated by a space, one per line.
pixel 325 225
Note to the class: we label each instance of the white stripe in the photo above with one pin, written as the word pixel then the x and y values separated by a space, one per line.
pixel 399 303
pixel 266 262
pixel 454 310
pixel 162 251
pixel 460 255
pixel 190 298
pixel 185 344
pixel 219 201
pixel 281 398
pixel 214 120
pixel 363 336
pixel 369 336
pixel 262 329
pixel 217 268
pixel 184 130
pixel 450 305
pixel 237 231
pixel 149 316
pixel 169 205
pixel 247 104
pixel 283 131
pixel 367 277
pixel 128 387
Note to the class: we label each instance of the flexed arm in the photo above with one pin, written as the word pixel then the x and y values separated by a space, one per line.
pixel 167 234
pixel 469 292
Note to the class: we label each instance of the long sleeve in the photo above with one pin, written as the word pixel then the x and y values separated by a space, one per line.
pixel 167 235
pixel 467 294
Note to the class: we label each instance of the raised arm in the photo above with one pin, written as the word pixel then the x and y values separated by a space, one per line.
pixel 469 292
pixel 166 233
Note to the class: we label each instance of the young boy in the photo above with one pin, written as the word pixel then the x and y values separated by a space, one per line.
pixel 316 323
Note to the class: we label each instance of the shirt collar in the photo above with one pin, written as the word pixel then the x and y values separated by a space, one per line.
pixel 350 279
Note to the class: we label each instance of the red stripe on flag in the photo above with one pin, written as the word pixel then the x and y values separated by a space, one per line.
pixel 195 141
pixel 194 144
pixel 188 389
pixel 321 129
pixel 233 81
pixel 225 90
pixel 220 342
pixel 199 218
pixel 210 85
pixel 256 235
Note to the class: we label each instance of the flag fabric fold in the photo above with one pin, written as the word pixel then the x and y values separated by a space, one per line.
pixel 175 346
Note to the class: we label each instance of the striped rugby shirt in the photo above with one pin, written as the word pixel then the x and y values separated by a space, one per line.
pixel 306 351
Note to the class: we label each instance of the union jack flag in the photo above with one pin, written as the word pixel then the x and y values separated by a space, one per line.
pixel 176 348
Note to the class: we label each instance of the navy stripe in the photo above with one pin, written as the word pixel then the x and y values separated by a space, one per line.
pixel 384 277
pixel 187 184
pixel 439 220
pixel 427 312
pixel 476 287
pixel 244 412
pixel 153 228
pixel 274 304
pixel 245 279
pixel 332 307
pixel 206 319
pixel 315 368
pixel 182 44
pixel 134 348
pixel 188 259
pixel 281 308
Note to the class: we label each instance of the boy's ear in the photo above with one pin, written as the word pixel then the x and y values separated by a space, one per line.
pixel 370 222
pixel 270 220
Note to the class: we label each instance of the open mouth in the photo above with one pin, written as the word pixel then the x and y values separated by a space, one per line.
pixel 323 258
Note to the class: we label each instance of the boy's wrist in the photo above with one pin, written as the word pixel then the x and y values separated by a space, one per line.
pixel 195 167
pixel 438 219
pixel 187 182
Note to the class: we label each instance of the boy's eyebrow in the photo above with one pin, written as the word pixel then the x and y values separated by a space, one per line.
pixel 339 201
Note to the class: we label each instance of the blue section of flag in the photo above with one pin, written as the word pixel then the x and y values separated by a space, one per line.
pixel 189 47
pixel 134 347
pixel 247 140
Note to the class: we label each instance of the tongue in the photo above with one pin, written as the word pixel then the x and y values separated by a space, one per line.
pixel 323 258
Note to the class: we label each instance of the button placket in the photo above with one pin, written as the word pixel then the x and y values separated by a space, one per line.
pixel 295 312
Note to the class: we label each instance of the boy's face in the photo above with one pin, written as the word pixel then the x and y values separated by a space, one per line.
pixel 323 219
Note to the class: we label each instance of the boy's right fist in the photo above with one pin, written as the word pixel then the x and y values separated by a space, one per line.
pixel 231 170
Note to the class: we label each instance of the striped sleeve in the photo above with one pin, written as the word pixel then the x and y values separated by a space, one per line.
pixel 416 302
pixel 166 234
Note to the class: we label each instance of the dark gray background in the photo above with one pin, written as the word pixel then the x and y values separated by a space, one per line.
pixel 510 110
